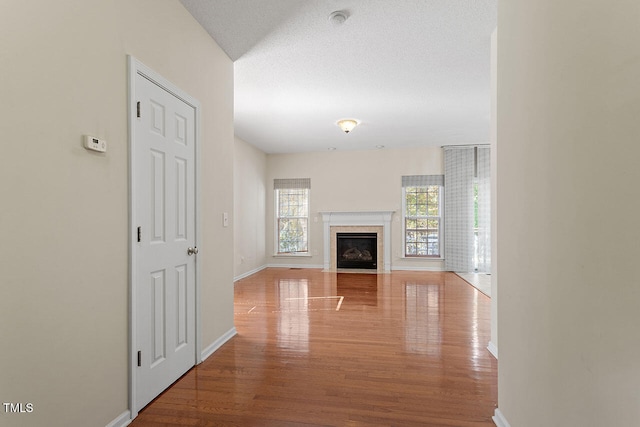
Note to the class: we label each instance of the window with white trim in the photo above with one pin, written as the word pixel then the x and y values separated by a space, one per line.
pixel 421 207
pixel 292 215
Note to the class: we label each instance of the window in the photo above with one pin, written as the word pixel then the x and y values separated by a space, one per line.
pixel 292 215
pixel 422 215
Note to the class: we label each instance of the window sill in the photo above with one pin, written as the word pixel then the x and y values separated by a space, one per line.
pixel 292 255
pixel 422 258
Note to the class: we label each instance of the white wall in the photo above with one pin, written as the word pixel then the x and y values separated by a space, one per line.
pixel 63 221
pixel 250 186
pixel 568 203
pixel 351 181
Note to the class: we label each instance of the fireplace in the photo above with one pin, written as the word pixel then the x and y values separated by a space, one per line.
pixel 357 250
pixel 378 222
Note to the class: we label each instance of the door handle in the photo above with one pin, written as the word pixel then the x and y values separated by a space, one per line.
pixel 192 251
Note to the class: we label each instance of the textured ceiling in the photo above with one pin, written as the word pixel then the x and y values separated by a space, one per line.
pixel 412 72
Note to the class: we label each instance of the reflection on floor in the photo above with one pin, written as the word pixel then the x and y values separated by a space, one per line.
pixel 480 281
pixel 362 289
pixel 321 348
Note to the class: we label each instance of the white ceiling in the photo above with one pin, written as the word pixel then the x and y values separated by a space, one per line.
pixel 412 72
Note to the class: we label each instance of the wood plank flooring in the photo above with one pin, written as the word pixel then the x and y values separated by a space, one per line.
pixel 343 349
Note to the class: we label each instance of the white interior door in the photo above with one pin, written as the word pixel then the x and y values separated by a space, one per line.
pixel 163 199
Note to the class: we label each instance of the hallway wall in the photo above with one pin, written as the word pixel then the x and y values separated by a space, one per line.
pixel 64 216
pixel 568 235
pixel 250 187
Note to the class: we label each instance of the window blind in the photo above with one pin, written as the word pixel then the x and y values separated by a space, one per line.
pixel 459 170
pixel 290 183
pixel 422 180
pixel 484 209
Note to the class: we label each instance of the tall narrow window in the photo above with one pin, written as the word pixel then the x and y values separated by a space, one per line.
pixel 292 215
pixel 422 215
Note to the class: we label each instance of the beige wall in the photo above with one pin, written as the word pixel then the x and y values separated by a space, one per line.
pixel 351 181
pixel 493 345
pixel 568 238
pixel 250 174
pixel 63 221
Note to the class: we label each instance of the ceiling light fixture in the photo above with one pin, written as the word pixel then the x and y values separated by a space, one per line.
pixel 347 125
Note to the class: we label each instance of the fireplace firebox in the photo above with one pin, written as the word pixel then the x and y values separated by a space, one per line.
pixel 357 250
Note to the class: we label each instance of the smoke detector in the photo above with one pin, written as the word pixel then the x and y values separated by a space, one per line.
pixel 338 17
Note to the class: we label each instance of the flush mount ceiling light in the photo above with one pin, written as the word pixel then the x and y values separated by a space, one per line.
pixel 347 125
pixel 338 17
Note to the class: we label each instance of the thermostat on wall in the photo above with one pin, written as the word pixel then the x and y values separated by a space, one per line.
pixel 95 144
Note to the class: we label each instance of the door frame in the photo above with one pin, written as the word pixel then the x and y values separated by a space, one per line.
pixel 136 68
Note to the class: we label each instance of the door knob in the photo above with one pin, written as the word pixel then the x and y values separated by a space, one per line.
pixel 192 251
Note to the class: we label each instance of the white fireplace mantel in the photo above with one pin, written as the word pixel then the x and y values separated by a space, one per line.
pixel 367 218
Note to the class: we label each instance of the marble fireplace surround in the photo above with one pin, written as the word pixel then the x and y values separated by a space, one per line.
pixel 378 222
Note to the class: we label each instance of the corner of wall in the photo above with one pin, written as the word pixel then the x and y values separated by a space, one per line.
pixel 122 420
pixel 499 419
pixel 205 353
pixel 493 349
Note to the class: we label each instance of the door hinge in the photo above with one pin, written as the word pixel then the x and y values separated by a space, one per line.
pixel 139 234
pixel 139 358
pixel 138 109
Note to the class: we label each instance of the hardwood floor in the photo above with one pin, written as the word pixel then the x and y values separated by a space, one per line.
pixel 343 349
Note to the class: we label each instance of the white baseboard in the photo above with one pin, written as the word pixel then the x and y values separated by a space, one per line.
pixel 320 266
pixel 407 268
pixel 249 273
pixel 218 343
pixel 499 419
pixel 493 349
pixel 122 420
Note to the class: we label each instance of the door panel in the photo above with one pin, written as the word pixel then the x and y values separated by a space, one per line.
pixel 158 317
pixel 181 306
pixel 164 193
pixel 181 199
pixel 157 192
